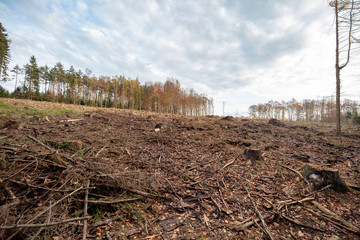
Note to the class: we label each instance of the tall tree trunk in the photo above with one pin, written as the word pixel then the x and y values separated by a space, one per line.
pixel 337 69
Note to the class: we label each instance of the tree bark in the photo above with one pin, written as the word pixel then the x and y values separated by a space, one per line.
pixel 337 69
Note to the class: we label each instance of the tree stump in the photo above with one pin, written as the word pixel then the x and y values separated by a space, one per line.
pixel 254 155
pixel 321 176
pixel 276 122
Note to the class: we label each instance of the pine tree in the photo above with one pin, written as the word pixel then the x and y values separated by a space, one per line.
pixel 4 52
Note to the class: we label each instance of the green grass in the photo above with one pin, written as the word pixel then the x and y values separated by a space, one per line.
pixel 9 109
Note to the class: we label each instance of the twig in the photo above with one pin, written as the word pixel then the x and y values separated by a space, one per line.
pixel 44 145
pixel 245 224
pixel 85 209
pixel 229 163
pixel 15 201
pixel 54 204
pixel 107 235
pixel 260 216
pixel 302 225
pixel 9 148
pixel 336 217
pixel 18 171
pixel 173 189
pixel 72 120
pixel 112 202
pixel 97 154
pixel 42 228
pixel 301 176
pixel 223 200
pixel 320 190
pixel 300 201
pixel 40 187
pixel 37 225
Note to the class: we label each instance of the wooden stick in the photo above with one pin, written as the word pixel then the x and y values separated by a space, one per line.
pixel 260 216
pixel 85 209
pixel 57 202
pixel 37 225
pixel 336 217
pixel 113 202
pixel 301 176
pixel 18 171
pixel 229 163
pixel 97 154
pixel 42 228
pixel 72 120
pixel 302 225
pixel 341 226
pixel 245 224
pixel 44 145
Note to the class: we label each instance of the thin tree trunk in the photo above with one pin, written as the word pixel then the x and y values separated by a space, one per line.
pixel 337 69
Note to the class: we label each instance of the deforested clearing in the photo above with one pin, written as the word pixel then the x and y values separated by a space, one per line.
pixel 68 172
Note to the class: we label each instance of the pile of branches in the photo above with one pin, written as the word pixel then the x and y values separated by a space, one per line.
pixel 46 193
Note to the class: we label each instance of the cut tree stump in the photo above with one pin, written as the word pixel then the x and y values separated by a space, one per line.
pixel 321 176
pixel 254 155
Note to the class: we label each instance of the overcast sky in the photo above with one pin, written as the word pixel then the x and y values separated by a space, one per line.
pixel 242 52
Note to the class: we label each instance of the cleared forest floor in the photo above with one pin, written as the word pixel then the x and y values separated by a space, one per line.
pixel 156 176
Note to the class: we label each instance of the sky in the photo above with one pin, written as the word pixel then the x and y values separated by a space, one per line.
pixel 241 52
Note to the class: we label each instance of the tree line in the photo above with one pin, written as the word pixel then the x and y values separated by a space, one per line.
pixel 308 110
pixel 58 84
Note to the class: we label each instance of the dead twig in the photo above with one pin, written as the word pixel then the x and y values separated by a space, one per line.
pixel 42 144
pixel 72 120
pixel 111 202
pixel 229 163
pixel 42 228
pixel 18 171
pixel 349 226
pixel 260 216
pixel 85 209
pixel 293 170
pixel 245 224
pixel 302 225
pixel 97 154
pixel 54 204
pixel 37 225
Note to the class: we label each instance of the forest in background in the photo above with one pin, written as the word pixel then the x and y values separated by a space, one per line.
pixel 72 86
pixel 308 110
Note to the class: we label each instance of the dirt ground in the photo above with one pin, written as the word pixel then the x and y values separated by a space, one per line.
pixel 142 175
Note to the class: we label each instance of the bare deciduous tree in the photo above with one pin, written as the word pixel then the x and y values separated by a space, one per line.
pixel 346 27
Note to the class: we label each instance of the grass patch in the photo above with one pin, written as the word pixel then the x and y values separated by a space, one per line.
pixel 9 109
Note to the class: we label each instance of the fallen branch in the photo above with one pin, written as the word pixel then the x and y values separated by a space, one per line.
pixel 336 217
pixel 229 163
pixel 245 224
pixel 72 120
pixel 111 202
pixel 54 204
pixel 266 229
pixel 302 225
pixel 326 217
pixel 97 154
pixel 44 145
pixel 18 171
pixel 293 170
pixel 85 209
pixel 38 225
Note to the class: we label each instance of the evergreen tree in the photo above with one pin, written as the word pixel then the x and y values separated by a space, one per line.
pixel 4 52
pixel 32 76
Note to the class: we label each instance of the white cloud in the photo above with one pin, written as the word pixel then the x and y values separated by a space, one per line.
pixel 241 52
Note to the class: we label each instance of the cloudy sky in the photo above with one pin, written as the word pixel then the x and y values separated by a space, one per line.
pixel 240 52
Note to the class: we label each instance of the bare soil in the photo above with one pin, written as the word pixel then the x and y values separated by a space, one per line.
pixel 158 176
